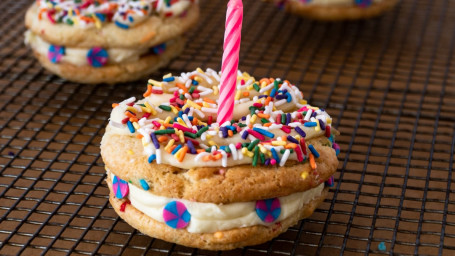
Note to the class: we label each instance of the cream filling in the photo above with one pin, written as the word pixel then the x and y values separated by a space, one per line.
pixel 210 218
pixel 78 56
pixel 332 2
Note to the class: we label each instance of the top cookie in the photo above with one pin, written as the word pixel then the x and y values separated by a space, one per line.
pixel 110 23
pixel 276 144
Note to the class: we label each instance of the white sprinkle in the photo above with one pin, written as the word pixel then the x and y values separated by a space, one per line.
pixel 280 102
pixel 186 120
pixel 208 91
pixel 243 100
pixel 200 114
pixel 117 125
pixel 224 158
pixel 285 157
pixel 173 89
pixel 268 87
pixel 213 149
pixel 128 101
pixel 233 151
pixel 209 110
pixel 158 156
pixel 308 115
pixel 188 84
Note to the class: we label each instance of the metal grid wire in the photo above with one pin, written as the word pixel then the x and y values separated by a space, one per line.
pixel 388 82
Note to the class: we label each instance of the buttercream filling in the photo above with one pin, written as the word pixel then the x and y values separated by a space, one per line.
pixel 78 56
pixel 210 218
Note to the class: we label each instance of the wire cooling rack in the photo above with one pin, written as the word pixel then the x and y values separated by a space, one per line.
pixel 388 83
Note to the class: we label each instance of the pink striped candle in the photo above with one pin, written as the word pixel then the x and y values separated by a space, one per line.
pixel 232 35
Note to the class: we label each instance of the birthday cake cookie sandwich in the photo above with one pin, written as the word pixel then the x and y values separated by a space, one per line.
pixel 177 174
pixel 107 41
pixel 333 10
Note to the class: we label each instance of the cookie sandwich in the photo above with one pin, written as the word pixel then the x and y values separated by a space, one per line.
pixel 96 41
pixel 177 175
pixel 333 10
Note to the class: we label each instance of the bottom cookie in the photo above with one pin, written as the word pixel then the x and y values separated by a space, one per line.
pixel 221 240
pixel 334 13
pixel 114 73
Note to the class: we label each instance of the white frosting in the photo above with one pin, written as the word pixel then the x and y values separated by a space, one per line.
pixel 78 56
pixel 209 218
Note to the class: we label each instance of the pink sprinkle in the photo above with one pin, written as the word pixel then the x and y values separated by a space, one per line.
pixel 258 105
pixel 272 161
pixel 304 108
pixel 183 128
pixel 256 134
pixel 278 119
pixel 146 115
pixel 176 93
pixel 242 82
pixel 175 137
pixel 156 124
pixel 286 129
pixel 195 95
pixel 238 145
pixel 172 100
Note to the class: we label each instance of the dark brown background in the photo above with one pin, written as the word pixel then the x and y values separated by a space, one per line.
pixel 387 82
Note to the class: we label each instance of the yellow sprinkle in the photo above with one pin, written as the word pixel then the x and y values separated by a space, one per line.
pixel 169 144
pixel 145 109
pixel 199 122
pixel 329 120
pixel 193 104
pixel 130 152
pixel 174 110
pixel 205 104
pixel 181 137
pixel 76 21
pixel 297 137
pixel 162 127
pixel 208 136
pixel 131 109
pixel 278 143
pixel 246 75
pixel 144 143
pixel 156 83
pixel 267 93
pixel 250 87
pixel 217 129
pixel 304 175
pixel 247 153
pixel 215 90
pixel 303 102
pixel 168 119
pixel 180 121
pixel 269 153
pixel 253 119
pixel 237 95
pixel 263 84
pixel 200 70
pixel 212 143
pixel 70 12
pixel 263 149
pixel 313 108
pixel 136 125
pixel 198 79
pixel 168 75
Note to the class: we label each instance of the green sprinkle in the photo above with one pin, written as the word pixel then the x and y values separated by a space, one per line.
pixel 264 121
pixel 283 118
pixel 241 125
pixel 290 150
pixel 255 156
pixel 262 156
pixel 165 131
pixel 227 149
pixel 245 144
pixel 165 108
pixel 191 89
pixel 201 131
pixel 208 150
pixel 275 84
pixel 253 144
pixel 182 96
pixel 256 87
pixel 190 134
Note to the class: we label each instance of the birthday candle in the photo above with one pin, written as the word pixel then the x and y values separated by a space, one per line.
pixel 230 62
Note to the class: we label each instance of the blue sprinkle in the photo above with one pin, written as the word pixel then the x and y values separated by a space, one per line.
pixel 144 184
pixel 121 25
pixel 130 18
pixel 289 99
pixel 273 92
pixel 180 114
pixel 300 131
pixel 187 110
pixel 331 138
pixel 155 140
pixel 264 132
pixel 245 134
pixel 313 150
pixel 190 118
pixel 382 247
pixel 100 16
pixel 292 139
pixel 288 118
pixel 130 126
pixel 169 79
pixel 230 127
pixel 275 155
pixel 176 149
pixel 194 82
pixel 310 124
pixel 151 158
